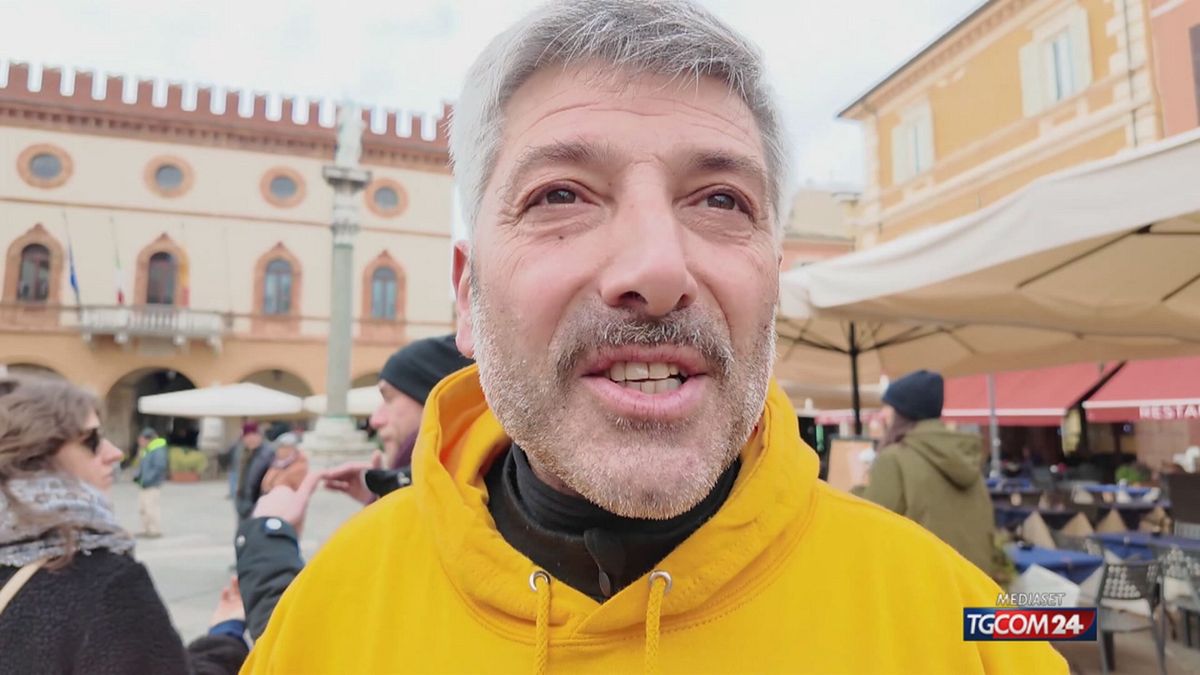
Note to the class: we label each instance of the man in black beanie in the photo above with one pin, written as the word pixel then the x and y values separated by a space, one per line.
pixel 931 474
pixel 405 382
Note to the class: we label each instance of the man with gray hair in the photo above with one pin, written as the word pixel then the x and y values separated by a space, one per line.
pixel 618 485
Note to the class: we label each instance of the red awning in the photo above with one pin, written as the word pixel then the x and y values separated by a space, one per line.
pixel 1163 389
pixel 1037 398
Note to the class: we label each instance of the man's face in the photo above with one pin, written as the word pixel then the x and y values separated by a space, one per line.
pixel 252 439
pixel 622 285
pixel 398 417
pixel 142 442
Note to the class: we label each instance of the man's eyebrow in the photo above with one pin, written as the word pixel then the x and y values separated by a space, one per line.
pixel 577 153
pixel 716 161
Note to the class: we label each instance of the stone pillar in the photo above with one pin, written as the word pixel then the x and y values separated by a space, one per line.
pixel 334 438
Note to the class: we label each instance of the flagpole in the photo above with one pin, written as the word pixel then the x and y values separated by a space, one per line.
pixel 71 261
pixel 120 275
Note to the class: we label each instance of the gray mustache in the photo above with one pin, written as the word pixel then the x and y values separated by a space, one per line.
pixel 682 328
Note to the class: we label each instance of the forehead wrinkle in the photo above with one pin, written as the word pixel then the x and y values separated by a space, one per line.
pixel 574 153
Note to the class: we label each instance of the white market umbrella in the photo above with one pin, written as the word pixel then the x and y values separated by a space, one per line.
pixel 360 402
pixel 1099 262
pixel 244 399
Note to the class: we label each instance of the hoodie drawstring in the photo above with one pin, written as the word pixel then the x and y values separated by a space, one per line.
pixel 539 582
pixel 541 648
pixel 660 585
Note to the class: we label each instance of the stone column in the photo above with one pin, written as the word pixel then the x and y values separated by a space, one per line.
pixel 335 438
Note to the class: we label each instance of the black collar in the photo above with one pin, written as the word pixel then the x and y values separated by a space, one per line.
pixel 579 543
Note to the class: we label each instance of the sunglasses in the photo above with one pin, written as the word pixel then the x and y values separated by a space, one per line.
pixel 92 440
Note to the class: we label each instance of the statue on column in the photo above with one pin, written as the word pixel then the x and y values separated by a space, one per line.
pixel 349 137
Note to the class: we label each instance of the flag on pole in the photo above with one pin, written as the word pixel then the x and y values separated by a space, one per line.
pixel 120 275
pixel 71 260
pixel 183 282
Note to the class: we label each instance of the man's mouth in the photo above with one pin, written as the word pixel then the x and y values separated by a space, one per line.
pixel 650 378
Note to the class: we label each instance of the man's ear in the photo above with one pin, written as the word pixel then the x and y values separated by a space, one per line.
pixel 465 337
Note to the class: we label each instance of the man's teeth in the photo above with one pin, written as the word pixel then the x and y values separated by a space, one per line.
pixel 648 378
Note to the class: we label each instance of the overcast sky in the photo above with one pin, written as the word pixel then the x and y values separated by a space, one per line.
pixel 412 54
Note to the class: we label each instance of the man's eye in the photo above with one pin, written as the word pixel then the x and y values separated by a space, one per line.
pixel 560 196
pixel 722 200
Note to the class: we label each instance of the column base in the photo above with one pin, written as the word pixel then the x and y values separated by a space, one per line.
pixel 334 440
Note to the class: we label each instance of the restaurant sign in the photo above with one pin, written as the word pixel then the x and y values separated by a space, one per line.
pixel 1170 412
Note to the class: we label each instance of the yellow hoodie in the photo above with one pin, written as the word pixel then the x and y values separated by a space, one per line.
pixel 788 576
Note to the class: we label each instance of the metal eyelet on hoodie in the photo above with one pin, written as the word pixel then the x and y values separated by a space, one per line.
pixel 541 641
pixel 660 585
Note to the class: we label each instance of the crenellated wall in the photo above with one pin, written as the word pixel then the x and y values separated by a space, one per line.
pixel 181 113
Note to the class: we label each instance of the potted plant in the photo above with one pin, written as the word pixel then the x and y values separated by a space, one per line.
pixel 186 464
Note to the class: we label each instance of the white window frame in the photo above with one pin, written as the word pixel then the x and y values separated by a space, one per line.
pixel 1043 72
pixel 912 143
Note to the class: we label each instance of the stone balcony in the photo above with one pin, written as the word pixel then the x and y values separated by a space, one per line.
pixel 177 324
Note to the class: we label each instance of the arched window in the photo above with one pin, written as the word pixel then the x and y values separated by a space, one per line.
pixel 162 277
pixel 33 282
pixel 383 294
pixel 277 288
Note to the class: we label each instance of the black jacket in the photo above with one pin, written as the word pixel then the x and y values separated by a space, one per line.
pixel 268 554
pixel 101 614
pixel 268 558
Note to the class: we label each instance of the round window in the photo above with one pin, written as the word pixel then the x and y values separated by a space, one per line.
pixel 46 166
pixel 168 177
pixel 387 198
pixel 283 187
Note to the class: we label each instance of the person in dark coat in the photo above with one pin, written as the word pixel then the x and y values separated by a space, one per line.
pixel 74 600
pixel 256 458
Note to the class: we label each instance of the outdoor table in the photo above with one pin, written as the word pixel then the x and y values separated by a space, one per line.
pixel 1075 566
pixel 1141 545
pixel 1133 491
pixel 1131 513
pixel 1058 518
pixel 1011 483
pixel 1009 517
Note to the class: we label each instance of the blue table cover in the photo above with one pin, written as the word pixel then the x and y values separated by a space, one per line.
pixel 1134 491
pixel 1011 483
pixel 1074 565
pixel 1131 513
pixel 1141 545
pixel 1009 517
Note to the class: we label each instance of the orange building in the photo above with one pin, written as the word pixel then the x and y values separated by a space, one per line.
pixel 1017 90
pixel 156 238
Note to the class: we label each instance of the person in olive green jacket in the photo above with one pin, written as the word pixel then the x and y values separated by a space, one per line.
pixel 930 474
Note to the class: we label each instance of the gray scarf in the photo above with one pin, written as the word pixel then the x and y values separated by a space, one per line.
pixel 55 499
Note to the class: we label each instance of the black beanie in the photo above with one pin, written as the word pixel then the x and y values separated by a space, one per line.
pixel 917 396
pixel 420 365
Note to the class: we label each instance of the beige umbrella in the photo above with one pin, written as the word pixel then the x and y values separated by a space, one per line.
pixel 1099 262
pixel 360 402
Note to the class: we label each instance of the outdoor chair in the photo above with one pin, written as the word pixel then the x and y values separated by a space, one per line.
pixel 1186 529
pixel 1129 581
pixel 1067 542
pixel 1175 563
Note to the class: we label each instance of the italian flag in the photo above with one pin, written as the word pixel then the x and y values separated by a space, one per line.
pixel 120 278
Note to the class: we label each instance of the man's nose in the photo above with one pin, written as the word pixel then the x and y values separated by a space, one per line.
pixel 378 418
pixel 648 272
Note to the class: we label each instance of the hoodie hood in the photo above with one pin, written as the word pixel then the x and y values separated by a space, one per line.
pixel 459 439
pixel 958 456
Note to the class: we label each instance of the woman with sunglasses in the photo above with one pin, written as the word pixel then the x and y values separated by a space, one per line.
pixel 73 599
